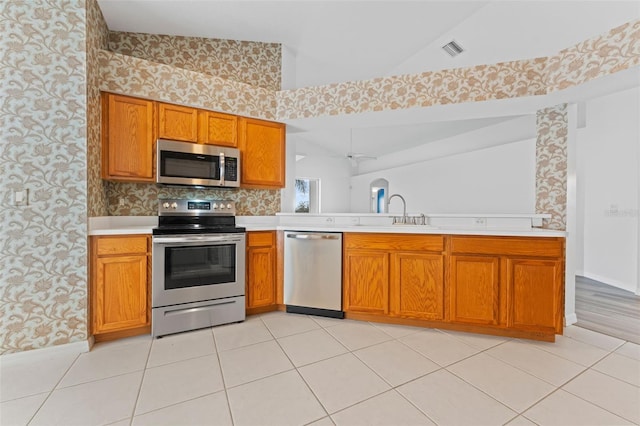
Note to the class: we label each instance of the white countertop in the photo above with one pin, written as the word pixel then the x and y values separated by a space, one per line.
pixel 418 229
pixel 124 225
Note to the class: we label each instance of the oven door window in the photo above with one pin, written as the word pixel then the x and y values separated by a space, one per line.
pixel 193 266
pixel 185 165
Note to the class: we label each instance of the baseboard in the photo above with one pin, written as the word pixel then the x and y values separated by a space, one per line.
pixel 570 319
pixel 69 348
pixel 609 281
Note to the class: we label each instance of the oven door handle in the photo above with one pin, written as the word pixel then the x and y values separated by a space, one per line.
pixel 194 239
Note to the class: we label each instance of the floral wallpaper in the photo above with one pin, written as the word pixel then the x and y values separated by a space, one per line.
pixel 138 77
pixel 97 39
pixel 141 199
pixel 615 51
pixel 551 165
pixel 43 122
pixel 474 84
pixel 254 63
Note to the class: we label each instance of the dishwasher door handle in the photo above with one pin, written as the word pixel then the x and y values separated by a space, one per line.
pixel 313 236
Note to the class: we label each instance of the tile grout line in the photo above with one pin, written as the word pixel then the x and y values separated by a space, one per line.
pixel 144 374
pixel 591 402
pixel 224 384
pixel 298 372
pixel 66 371
pixel 190 399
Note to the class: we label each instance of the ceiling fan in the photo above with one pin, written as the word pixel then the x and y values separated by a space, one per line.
pixel 356 157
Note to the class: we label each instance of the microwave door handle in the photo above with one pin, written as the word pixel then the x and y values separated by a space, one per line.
pixel 222 168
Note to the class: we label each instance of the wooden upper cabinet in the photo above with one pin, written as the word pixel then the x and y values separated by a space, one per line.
pixel 262 148
pixel 475 289
pixel 177 123
pixel 417 285
pixel 536 294
pixel 128 138
pixel 215 128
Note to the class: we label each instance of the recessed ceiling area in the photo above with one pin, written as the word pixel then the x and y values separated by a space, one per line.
pixel 326 42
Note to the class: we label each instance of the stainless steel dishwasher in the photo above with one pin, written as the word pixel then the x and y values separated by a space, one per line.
pixel 313 273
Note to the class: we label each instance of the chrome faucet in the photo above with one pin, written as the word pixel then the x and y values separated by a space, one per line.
pixel 404 207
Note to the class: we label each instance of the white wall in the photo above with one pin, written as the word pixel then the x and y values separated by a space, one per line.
pixel 500 179
pixel 334 175
pixel 608 156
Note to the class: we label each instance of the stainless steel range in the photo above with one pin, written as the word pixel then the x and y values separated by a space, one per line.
pixel 198 260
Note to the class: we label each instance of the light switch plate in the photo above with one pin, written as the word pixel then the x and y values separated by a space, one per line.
pixel 21 198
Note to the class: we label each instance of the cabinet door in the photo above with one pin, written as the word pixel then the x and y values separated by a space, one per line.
pixel 366 282
pixel 128 138
pixel 177 123
pixel 475 290
pixel 262 147
pixel 261 289
pixel 120 293
pixel 417 285
pixel 217 129
pixel 536 293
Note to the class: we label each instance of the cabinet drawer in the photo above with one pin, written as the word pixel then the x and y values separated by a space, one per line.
pixel 509 246
pixel 121 245
pixel 260 239
pixel 394 242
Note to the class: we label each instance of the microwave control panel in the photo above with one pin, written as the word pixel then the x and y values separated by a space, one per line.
pixel 231 169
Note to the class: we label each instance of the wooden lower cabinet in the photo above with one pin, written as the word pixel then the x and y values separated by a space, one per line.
pixel 366 282
pixel 475 289
pixel 417 285
pixel 536 294
pixel 260 293
pixel 120 286
pixel 510 286
pixel 394 275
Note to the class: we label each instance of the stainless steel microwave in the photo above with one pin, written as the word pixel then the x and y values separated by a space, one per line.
pixel 184 163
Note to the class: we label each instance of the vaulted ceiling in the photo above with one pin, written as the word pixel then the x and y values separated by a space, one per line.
pixel 334 41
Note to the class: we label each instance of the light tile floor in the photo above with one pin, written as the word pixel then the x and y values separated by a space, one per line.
pixel 288 369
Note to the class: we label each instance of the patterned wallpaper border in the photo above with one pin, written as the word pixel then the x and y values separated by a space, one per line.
pixel 254 63
pixel 474 84
pixel 139 77
pixel 617 50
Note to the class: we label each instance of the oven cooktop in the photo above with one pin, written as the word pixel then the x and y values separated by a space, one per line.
pixel 177 216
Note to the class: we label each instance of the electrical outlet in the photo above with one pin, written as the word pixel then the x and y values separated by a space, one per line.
pixel 480 221
pixel 121 202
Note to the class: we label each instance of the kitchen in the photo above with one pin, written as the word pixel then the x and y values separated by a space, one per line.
pixel 68 198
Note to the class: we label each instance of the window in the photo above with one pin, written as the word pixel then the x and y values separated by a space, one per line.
pixel 307 195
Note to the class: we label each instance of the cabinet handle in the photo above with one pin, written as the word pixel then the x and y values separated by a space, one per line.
pixel 313 236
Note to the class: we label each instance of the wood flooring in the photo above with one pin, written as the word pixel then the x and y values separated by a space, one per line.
pixel 607 309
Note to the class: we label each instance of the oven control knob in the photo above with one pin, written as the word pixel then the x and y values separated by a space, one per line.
pixel 174 205
pixel 165 205
pixel 215 206
pixel 221 206
pixel 229 206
